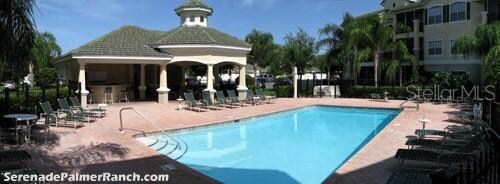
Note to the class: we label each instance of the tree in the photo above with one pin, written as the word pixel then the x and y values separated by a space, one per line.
pixel 370 35
pixel 485 43
pixel 45 77
pixel 400 54
pixel 17 30
pixel 263 49
pixel 299 51
pixel 332 40
pixel 45 50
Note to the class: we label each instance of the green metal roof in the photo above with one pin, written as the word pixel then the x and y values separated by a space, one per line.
pixel 194 4
pixel 134 41
pixel 199 35
pixel 125 41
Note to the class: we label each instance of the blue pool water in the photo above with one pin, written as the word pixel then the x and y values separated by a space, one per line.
pixel 300 146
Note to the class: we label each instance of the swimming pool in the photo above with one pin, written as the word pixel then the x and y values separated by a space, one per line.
pixel 298 146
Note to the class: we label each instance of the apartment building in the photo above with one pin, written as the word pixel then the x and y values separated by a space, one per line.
pixel 430 29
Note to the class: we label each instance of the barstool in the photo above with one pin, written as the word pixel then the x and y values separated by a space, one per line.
pixel 124 96
pixel 131 96
pixel 108 95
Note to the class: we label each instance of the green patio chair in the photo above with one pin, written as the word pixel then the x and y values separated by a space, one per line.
pixel 70 116
pixel 251 98
pixel 192 103
pixel 221 98
pixel 437 157
pixel 96 110
pixel 209 103
pixel 262 96
pixel 63 103
pixel 51 117
pixel 235 99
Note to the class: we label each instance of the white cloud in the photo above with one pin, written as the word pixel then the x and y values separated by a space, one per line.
pixel 105 9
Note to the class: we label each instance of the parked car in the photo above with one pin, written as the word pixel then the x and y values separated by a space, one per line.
pixel 9 84
pixel 265 78
pixel 283 81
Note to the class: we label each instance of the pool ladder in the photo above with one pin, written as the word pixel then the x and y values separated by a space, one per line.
pixel 178 147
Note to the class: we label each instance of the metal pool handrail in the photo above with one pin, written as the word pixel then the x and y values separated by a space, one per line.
pixel 177 143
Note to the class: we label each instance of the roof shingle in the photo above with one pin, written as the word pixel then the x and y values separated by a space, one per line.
pixel 199 35
pixel 125 41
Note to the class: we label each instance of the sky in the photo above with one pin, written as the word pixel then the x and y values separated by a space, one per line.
pixel 76 22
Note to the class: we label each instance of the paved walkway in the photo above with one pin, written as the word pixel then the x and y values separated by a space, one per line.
pixel 99 146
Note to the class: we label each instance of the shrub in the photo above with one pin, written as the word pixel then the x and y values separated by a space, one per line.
pixel 18 103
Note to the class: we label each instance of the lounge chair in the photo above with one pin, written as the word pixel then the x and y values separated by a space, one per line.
pixel 251 98
pixel 457 145
pixel 225 102
pixel 84 116
pixel 432 156
pixel 96 110
pixel 263 97
pixel 192 103
pixel 410 176
pixel 234 98
pixel 209 103
pixel 53 116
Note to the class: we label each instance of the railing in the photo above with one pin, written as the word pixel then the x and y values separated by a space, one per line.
pixel 177 142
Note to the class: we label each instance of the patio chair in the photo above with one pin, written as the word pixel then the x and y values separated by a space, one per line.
pixel 410 176
pixel 251 98
pixel 235 99
pixel 69 116
pixel 437 157
pixel 191 102
pixel 97 110
pixel 85 116
pixel 51 116
pixel 209 103
pixel 9 128
pixel 456 145
pixel 225 102
pixel 262 96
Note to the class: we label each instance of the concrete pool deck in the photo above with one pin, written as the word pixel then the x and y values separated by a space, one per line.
pixel 99 146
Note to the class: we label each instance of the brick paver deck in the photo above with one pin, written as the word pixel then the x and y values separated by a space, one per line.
pixel 99 146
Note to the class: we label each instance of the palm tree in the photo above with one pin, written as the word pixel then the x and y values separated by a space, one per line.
pixel 400 55
pixel 371 35
pixel 17 30
pixel 263 50
pixel 485 43
pixel 45 50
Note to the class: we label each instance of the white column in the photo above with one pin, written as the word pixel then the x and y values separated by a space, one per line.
pixel 484 17
pixel 142 86
pixel 163 90
pixel 83 85
pixel 416 38
pixel 294 82
pixel 210 80
pixel 183 76
pixel 242 87
pixel 216 77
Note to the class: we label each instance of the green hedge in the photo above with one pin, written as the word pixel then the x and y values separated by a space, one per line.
pixel 17 103
pixel 364 92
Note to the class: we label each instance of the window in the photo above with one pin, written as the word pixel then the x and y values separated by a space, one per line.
pixel 435 48
pixel 458 11
pixel 435 15
pixel 191 19
pixel 202 19
pixel 453 50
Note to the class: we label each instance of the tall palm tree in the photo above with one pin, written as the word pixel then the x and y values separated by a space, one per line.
pixel 17 30
pixel 45 50
pixel 400 55
pixel 485 43
pixel 263 50
pixel 371 35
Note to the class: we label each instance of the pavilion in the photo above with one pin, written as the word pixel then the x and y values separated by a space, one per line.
pixel 140 59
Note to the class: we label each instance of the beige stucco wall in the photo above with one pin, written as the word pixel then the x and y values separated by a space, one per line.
pixel 450 30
